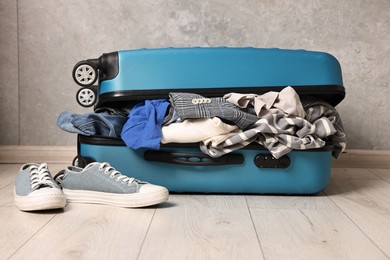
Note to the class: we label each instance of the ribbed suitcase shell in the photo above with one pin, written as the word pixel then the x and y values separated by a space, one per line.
pixel 153 73
pixel 307 173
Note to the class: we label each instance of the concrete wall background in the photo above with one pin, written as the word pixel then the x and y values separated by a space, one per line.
pixel 41 40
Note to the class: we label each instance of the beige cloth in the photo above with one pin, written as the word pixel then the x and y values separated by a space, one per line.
pixel 286 100
pixel 218 139
pixel 195 130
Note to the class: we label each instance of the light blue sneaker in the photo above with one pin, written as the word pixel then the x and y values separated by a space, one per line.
pixel 99 183
pixel 35 189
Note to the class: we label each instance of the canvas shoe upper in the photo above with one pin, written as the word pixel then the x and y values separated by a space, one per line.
pixel 100 183
pixel 35 189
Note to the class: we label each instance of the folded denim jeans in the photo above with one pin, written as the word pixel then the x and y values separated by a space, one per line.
pixel 103 124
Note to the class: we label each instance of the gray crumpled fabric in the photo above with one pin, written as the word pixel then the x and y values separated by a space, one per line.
pixel 316 109
pixel 286 100
pixel 280 132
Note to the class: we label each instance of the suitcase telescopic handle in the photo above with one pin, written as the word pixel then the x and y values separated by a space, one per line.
pixel 192 159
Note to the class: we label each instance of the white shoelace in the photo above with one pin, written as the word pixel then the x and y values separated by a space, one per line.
pixel 108 169
pixel 40 175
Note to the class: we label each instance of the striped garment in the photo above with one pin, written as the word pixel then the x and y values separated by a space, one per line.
pixel 280 133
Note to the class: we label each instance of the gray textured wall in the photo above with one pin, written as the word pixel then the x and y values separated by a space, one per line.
pixel 41 40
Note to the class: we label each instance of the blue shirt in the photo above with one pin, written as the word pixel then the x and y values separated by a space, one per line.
pixel 143 127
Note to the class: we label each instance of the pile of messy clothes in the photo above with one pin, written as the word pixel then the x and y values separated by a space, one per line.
pixel 279 121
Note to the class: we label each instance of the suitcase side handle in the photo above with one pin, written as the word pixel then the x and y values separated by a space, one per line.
pixel 191 159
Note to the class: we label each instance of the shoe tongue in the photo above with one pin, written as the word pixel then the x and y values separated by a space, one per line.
pixel 29 165
pixel 43 185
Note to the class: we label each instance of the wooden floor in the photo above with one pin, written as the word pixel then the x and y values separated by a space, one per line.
pixel 350 220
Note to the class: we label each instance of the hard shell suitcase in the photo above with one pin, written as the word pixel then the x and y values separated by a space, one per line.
pixel 125 77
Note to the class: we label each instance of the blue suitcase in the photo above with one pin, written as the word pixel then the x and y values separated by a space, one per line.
pixel 125 77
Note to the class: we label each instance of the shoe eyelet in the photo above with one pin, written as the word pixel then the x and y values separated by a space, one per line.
pixel 112 176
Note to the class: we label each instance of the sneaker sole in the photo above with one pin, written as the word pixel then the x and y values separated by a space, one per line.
pixel 42 202
pixel 134 200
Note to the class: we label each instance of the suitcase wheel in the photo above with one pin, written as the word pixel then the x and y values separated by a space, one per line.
pixel 85 73
pixel 86 97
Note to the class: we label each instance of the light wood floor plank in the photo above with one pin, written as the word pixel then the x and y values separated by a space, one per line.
pixel 8 173
pixel 352 173
pixel 202 227
pixel 320 201
pixel 7 196
pixel 18 227
pixel 367 204
pixel 311 234
pixel 384 174
pixel 90 232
